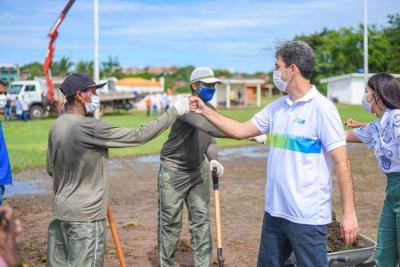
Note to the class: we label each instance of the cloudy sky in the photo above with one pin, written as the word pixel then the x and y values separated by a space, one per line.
pixel 222 34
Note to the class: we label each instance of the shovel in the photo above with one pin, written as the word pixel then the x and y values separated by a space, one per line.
pixel 217 217
pixel 114 233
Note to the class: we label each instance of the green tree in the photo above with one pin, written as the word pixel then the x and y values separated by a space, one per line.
pixel 183 74
pixel 55 68
pixel 84 66
pixel 62 67
pixel 379 50
pixel 392 34
pixel 65 65
pixel 110 66
pixel 35 69
pixel 222 73
pixel 341 51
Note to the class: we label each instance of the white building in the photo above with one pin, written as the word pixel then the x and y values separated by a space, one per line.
pixel 347 88
pixel 9 72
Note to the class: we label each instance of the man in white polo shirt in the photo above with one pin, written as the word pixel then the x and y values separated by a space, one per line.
pixel 307 141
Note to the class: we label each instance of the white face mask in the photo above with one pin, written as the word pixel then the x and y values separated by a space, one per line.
pixel 95 104
pixel 279 83
pixel 367 105
pixel 3 101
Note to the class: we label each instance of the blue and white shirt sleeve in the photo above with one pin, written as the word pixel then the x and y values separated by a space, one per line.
pixel 364 133
pixel 262 120
pixel 396 126
pixel 330 128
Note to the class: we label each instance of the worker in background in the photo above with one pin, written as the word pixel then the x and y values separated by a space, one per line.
pixel 18 108
pixel 25 108
pixel 154 102
pixel 8 107
pixel 148 104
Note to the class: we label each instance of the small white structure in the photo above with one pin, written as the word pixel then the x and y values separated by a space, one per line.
pixel 347 88
pixel 231 88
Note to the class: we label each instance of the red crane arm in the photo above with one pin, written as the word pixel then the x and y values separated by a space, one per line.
pixel 50 51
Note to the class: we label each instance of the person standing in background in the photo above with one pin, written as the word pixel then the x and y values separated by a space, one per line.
pixel 165 102
pixel 25 109
pixel 154 102
pixel 18 108
pixel 7 108
pixel 147 99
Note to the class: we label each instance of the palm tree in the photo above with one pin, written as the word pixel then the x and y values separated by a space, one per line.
pixel 65 64
pixel 110 66
pixel 85 66
pixel 61 67
pixel 55 69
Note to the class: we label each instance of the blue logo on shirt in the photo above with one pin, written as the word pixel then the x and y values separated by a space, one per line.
pixel 295 143
pixel 299 121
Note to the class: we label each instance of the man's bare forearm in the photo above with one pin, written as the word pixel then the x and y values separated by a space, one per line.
pixel 230 127
pixel 343 173
pixel 347 189
pixel 348 222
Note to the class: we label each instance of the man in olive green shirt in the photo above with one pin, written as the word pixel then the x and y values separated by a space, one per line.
pixel 183 178
pixel 77 160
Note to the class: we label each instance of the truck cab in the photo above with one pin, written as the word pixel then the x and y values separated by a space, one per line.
pixel 33 92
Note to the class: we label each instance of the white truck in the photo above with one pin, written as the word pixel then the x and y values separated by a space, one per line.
pixel 34 93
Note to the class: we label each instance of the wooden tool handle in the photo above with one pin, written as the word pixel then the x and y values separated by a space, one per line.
pixel 218 218
pixel 114 233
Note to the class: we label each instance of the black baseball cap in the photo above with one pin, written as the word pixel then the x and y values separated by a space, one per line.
pixel 78 82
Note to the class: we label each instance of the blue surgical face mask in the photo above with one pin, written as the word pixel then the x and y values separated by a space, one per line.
pixel 206 93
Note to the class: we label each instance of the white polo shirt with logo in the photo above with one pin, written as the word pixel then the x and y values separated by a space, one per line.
pixel 299 169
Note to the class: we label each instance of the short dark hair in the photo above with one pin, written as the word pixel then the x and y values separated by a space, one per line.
pixel 300 54
pixel 70 99
pixel 387 88
pixel 69 102
pixel 3 83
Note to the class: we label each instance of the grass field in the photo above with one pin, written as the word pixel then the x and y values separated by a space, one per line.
pixel 27 142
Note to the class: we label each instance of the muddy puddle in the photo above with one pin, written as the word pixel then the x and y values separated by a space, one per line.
pixel 38 185
pixel 25 184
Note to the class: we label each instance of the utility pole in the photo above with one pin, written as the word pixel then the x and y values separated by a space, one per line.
pixel 365 42
pixel 96 75
pixel 96 71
